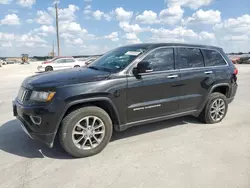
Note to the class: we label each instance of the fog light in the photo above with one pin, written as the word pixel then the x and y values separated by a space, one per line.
pixel 36 120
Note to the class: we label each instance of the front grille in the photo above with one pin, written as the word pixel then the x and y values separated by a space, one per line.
pixel 22 95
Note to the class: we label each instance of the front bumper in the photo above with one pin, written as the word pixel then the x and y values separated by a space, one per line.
pixel 45 131
pixel 40 68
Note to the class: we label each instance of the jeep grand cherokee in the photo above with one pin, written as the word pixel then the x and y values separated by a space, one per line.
pixel 128 86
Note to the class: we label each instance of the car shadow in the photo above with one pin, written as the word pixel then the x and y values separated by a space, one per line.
pixel 13 140
pixel 151 127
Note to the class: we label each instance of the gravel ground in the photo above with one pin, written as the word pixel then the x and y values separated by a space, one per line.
pixel 176 153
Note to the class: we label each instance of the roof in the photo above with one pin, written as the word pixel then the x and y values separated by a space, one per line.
pixel 155 45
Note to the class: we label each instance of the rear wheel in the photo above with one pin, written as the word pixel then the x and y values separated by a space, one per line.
pixel 86 131
pixel 49 68
pixel 215 109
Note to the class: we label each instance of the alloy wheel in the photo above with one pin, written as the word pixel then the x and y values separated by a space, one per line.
pixel 217 110
pixel 88 133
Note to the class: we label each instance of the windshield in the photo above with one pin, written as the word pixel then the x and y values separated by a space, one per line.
pixel 116 60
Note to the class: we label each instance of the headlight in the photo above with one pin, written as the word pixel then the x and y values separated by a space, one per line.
pixel 42 96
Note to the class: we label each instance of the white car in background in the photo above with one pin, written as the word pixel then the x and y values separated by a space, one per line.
pixel 88 60
pixel 59 64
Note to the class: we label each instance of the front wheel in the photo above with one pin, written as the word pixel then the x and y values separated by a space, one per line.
pixel 215 109
pixel 48 68
pixel 86 131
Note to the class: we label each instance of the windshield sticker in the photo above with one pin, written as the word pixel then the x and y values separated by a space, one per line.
pixel 132 53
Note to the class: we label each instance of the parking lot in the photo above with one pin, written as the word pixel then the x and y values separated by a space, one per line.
pixel 176 153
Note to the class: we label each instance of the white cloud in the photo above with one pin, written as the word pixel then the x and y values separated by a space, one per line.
pixel 45 29
pixel 136 41
pixel 123 15
pixel 43 34
pixel 26 3
pixel 108 16
pixel 234 25
pixel 77 41
pixel 6 44
pixel 28 38
pixel 87 7
pixel 178 34
pixel 182 35
pixel 206 36
pixel 112 36
pixel 193 4
pixel 72 27
pixel 44 18
pixel 10 19
pixel 130 36
pixel 29 20
pixel 68 13
pixel 87 11
pixel 204 17
pixel 98 15
pixel 171 15
pixel 236 38
pixel 147 17
pixel 13 11
pixel 7 36
pixel 65 14
pixel 66 36
pixel 5 2
pixel 131 28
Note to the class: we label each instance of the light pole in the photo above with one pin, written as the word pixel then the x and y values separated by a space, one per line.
pixel 57 31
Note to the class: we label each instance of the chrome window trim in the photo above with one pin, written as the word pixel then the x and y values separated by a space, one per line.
pixel 129 68
pixel 139 59
pixel 220 55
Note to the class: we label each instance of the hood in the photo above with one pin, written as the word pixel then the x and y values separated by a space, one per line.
pixel 47 62
pixel 64 77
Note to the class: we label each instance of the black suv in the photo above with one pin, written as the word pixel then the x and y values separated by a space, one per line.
pixel 128 86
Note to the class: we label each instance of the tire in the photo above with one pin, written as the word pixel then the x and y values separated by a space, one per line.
pixel 206 115
pixel 49 68
pixel 76 66
pixel 68 125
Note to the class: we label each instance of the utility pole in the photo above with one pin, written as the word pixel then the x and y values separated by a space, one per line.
pixel 53 50
pixel 57 31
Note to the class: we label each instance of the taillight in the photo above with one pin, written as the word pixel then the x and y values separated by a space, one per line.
pixel 236 71
pixel 234 77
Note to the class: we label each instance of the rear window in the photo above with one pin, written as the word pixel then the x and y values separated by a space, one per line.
pixel 190 58
pixel 213 58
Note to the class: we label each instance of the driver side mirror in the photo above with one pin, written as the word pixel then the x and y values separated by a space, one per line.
pixel 142 67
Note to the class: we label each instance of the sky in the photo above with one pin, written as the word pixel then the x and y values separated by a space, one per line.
pixel 96 26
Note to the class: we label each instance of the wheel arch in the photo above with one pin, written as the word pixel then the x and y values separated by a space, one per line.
pixel 214 88
pixel 101 102
pixel 49 66
pixel 223 88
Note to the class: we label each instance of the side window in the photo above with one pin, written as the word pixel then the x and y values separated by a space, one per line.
pixel 190 58
pixel 160 59
pixel 213 58
pixel 61 61
pixel 70 60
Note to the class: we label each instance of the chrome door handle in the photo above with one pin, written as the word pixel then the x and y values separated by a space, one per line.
pixel 172 76
pixel 208 72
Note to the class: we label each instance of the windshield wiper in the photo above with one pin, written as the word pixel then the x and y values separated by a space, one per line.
pixel 92 67
pixel 100 68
